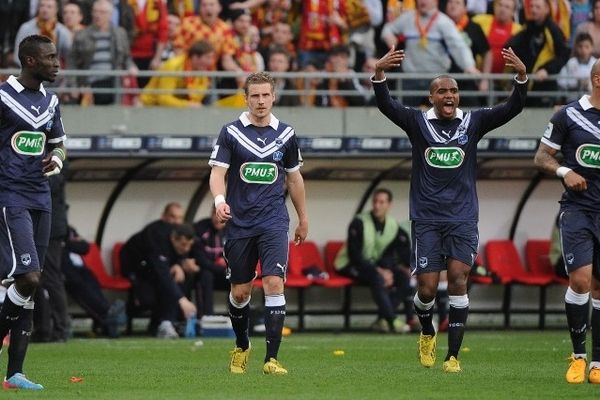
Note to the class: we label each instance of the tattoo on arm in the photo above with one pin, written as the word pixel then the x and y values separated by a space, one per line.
pixel 545 159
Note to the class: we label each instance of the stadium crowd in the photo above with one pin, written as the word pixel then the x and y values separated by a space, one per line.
pixel 341 36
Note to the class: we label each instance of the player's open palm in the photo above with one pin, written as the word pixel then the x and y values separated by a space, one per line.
pixel 392 59
pixel 512 60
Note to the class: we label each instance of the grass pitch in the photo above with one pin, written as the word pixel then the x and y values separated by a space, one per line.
pixel 503 365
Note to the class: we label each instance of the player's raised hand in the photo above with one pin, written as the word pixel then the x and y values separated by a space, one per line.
pixel 512 60
pixel 392 59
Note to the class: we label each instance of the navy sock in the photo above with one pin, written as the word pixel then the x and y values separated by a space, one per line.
pixel 11 310
pixel 240 321
pixel 456 329
pixel 274 318
pixel 426 320
pixel 577 317
pixel 19 340
pixel 9 313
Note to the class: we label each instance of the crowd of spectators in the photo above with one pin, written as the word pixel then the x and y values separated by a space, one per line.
pixel 336 36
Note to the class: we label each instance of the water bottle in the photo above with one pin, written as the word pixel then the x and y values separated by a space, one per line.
pixel 190 326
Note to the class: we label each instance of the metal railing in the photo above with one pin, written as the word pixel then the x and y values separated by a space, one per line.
pixel 305 85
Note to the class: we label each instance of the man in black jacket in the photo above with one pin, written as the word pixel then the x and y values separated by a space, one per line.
pixel 155 260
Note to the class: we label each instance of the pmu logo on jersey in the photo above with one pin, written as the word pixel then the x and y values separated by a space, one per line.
pixel 28 143
pixel 588 155
pixel 444 157
pixel 259 172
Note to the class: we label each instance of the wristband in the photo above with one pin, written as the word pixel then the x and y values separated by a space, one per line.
pixel 562 171
pixel 60 153
pixel 219 199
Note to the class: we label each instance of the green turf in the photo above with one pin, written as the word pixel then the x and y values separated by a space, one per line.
pixel 503 365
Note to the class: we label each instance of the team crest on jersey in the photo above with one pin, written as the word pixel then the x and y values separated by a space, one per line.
pixel 462 139
pixel 28 143
pixel 26 259
pixel 277 156
pixel 423 262
pixel 588 155
pixel 444 157
pixel 263 173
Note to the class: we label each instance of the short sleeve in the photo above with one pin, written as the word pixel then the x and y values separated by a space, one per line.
pixel 56 132
pixel 556 131
pixel 292 160
pixel 221 153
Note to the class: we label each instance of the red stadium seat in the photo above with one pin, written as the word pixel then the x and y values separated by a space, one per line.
pixel 503 259
pixel 332 248
pixel 537 255
pixel 307 255
pixel 93 260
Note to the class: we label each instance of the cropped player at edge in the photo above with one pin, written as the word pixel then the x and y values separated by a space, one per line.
pixel 259 156
pixel 574 131
pixel 31 148
pixel 444 208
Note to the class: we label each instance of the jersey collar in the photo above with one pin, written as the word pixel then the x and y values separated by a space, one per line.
pixel 273 122
pixel 584 102
pixel 430 114
pixel 12 81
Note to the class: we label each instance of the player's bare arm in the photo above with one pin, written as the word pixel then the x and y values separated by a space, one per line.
pixel 513 61
pixel 392 59
pixel 53 162
pixel 295 184
pixel 217 188
pixel 545 159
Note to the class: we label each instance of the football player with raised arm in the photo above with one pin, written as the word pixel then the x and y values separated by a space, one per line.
pixel 31 149
pixel 444 208
pixel 259 156
pixel 574 130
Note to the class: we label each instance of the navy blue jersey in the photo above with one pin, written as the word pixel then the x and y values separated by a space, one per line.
pixel 575 131
pixel 444 153
pixel 257 159
pixel 29 119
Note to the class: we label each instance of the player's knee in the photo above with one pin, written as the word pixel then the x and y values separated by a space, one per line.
pixel 240 296
pixel 426 294
pixel 580 280
pixel 457 286
pixel 273 284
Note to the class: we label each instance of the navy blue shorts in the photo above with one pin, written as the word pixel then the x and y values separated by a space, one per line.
pixel 24 236
pixel 433 243
pixel 242 256
pixel 580 238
